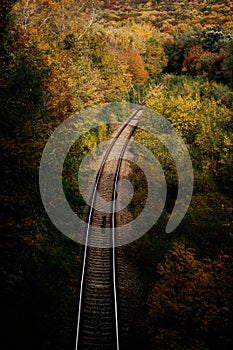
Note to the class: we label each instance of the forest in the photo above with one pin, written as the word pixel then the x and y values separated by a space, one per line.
pixel 59 57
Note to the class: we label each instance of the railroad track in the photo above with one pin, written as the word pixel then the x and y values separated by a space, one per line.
pixel 99 320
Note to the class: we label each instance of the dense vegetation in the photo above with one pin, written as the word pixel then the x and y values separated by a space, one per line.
pixel 58 57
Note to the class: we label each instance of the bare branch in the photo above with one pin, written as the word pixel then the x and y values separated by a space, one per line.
pixel 91 20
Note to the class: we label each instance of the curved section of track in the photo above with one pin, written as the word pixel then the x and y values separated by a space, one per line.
pixel 98 325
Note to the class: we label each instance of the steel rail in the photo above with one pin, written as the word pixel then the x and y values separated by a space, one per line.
pixel 113 222
pixel 90 214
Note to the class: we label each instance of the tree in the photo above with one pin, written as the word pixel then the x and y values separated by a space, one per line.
pixel 191 304
pixel 154 58
pixel 136 67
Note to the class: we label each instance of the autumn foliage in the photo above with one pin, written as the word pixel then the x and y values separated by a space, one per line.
pixel 61 56
pixel 190 306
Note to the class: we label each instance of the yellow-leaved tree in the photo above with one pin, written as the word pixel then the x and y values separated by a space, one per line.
pixel 191 304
